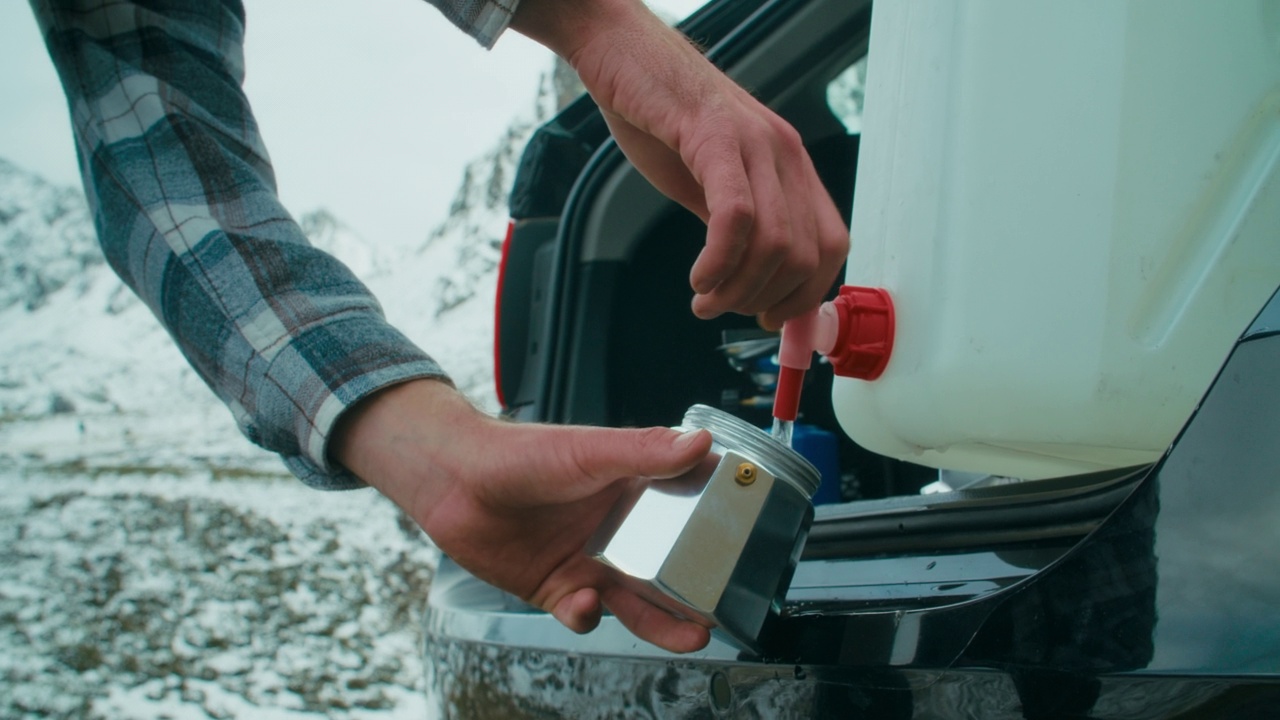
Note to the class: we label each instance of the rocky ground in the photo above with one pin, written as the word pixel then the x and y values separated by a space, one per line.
pixel 146 596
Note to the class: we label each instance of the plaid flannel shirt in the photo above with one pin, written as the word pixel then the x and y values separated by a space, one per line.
pixel 185 206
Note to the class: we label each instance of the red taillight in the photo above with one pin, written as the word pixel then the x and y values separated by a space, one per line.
pixel 497 315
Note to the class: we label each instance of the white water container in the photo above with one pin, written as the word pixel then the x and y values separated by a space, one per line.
pixel 1076 210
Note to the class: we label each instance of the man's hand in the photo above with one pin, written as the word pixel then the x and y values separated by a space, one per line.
pixel 515 504
pixel 775 240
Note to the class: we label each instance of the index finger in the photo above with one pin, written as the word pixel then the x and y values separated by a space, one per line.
pixel 731 217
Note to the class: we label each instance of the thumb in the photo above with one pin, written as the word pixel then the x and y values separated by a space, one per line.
pixel 599 456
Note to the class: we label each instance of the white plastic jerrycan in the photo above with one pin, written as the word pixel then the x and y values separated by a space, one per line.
pixel 1075 208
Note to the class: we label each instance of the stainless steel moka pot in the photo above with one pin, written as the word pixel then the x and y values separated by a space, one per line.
pixel 719 544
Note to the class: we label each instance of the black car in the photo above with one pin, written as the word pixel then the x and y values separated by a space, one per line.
pixel 1149 591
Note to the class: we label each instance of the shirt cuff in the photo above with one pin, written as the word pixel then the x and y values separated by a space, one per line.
pixel 484 20
pixel 323 372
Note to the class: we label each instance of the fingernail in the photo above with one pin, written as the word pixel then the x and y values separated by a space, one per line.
pixel 685 439
pixel 701 312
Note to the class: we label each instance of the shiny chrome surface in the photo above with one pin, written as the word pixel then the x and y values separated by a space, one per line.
pixel 464 609
pixel 470 680
pixel 721 546
pixel 687 546
pixel 735 433
pixel 720 543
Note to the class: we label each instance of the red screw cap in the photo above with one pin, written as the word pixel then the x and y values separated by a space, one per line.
pixel 864 339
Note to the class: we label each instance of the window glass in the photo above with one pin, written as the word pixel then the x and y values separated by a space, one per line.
pixel 845 93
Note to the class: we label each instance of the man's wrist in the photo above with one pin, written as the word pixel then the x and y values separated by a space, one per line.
pixel 566 26
pixel 393 439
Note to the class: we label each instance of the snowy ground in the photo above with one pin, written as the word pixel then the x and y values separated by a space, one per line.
pixel 186 596
pixel 159 565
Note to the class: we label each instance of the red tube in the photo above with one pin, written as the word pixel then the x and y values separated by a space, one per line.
pixel 786 401
pixel 794 356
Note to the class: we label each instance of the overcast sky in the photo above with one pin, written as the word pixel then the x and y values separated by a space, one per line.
pixel 369 108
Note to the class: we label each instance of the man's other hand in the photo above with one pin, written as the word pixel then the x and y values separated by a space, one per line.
pixel 775 240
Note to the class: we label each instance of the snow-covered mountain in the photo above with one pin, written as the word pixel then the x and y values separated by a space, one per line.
pixel 46 238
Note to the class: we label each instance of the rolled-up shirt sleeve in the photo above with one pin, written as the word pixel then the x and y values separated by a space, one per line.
pixel 484 20
pixel 185 206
